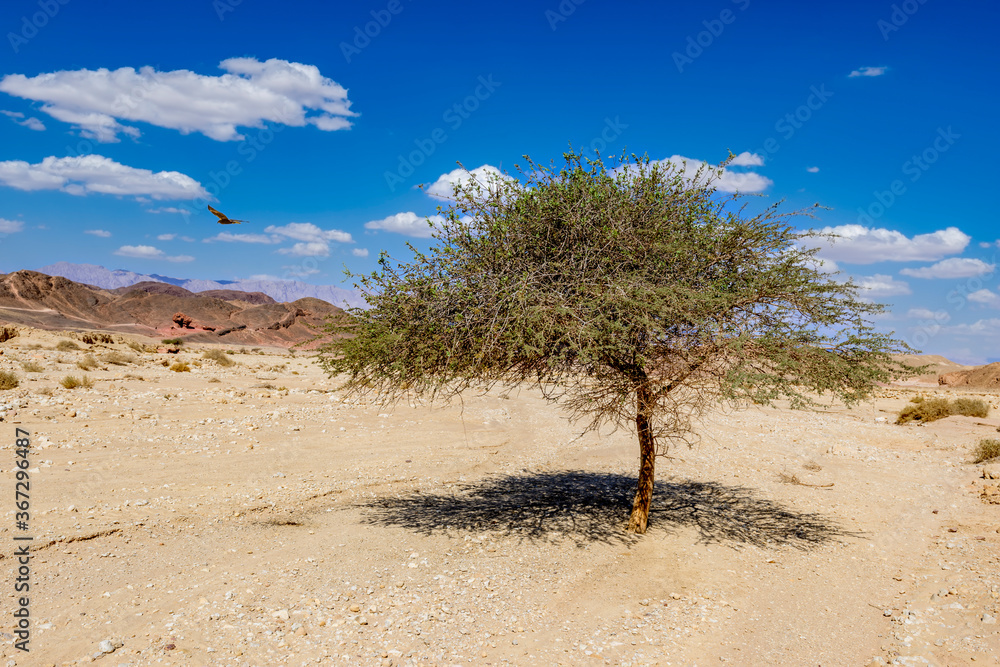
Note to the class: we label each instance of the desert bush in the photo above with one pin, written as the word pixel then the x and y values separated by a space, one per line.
pixel 67 346
pixel 118 358
pixel 971 407
pixel 138 347
pixel 180 367
pixel 918 399
pixel 986 450
pixel 6 333
pixel 32 367
pixel 926 411
pixel 72 382
pixel 8 380
pixel 45 391
pixel 91 339
pixel 88 363
pixel 219 357
pixel 176 342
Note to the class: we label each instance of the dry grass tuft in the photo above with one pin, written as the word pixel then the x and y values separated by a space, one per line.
pixel 987 450
pixel 72 382
pixel 219 357
pixel 971 407
pixel 118 358
pixel 32 367
pixel 928 410
pixel 88 363
pixel 8 380
pixel 180 367
pixel 67 346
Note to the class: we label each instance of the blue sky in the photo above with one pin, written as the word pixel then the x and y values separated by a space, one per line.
pixel 289 116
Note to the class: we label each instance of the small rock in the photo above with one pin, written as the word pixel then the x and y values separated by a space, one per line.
pixel 281 614
pixel 989 619
pixel 106 646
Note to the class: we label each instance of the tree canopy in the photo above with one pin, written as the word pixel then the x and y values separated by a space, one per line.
pixel 635 294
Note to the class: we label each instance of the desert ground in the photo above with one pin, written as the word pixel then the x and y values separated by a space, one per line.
pixel 249 515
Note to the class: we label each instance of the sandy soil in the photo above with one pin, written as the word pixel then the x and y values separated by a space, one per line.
pixel 263 520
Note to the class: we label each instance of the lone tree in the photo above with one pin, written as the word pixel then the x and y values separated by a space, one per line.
pixel 632 295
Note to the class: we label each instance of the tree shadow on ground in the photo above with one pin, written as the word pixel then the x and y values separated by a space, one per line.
pixel 593 507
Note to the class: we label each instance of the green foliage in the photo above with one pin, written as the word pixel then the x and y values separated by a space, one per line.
pixel 180 367
pixel 590 282
pixel 67 346
pixel 219 357
pixel 987 450
pixel 8 380
pixel 971 407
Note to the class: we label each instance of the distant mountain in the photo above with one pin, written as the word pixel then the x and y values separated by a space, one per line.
pixel 282 291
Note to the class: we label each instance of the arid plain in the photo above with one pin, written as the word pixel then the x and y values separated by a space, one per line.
pixel 249 515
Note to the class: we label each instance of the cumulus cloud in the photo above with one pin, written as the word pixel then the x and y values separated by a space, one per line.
pixel 249 94
pixel 869 71
pixel 243 238
pixel 995 244
pixel 988 327
pixel 98 232
pixel 812 170
pixel 10 226
pixel 166 237
pixel 444 186
pixel 408 224
pixel 149 252
pixel 360 252
pixel 985 297
pixel 726 181
pixel 881 285
pixel 747 159
pixel 87 174
pixel 927 314
pixel 306 231
pixel 866 245
pixel 31 123
pixel 310 249
pixel 955 267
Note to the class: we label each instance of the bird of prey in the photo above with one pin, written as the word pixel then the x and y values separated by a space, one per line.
pixel 223 220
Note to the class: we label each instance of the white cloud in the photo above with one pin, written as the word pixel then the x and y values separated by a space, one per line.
pixel 408 224
pixel 166 237
pixel 98 232
pixel 989 327
pixel 869 71
pixel 881 285
pixel 360 252
pixel 309 249
pixel 444 186
pixel 166 209
pixel 812 170
pixel 995 244
pixel 249 94
pixel 94 173
pixel 747 159
pixel 955 267
pixel 727 181
pixel 10 226
pixel 243 238
pixel 31 123
pixel 867 245
pixel 986 297
pixel 306 231
pixel 149 252
pixel 927 314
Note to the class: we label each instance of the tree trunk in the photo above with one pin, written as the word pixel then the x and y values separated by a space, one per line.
pixel 647 461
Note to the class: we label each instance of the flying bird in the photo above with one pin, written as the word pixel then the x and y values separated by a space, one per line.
pixel 223 220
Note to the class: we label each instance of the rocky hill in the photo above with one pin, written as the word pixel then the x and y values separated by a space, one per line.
pixel 977 377
pixel 158 309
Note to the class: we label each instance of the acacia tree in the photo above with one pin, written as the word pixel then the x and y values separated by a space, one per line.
pixel 635 295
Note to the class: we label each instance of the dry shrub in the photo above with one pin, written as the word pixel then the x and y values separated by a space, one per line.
pixel 214 380
pixel 72 382
pixel 219 357
pixel 132 376
pixel 138 347
pixel 88 363
pixel 928 410
pixel 32 367
pixel 987 450
pixel 918 399
pixel 8 380
pixel 67 346
pixel 971 407
pixel 6 333
pixel 118 358
pixel 180 367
